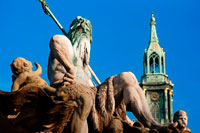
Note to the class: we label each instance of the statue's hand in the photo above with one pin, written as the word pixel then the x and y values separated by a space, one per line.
pixel 68 79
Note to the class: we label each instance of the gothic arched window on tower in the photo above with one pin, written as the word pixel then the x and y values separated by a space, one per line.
pixel 145 64
pixel 154 63
pixel 162 65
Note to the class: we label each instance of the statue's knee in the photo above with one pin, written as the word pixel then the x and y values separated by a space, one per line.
pixel 125 75
pixel 128 78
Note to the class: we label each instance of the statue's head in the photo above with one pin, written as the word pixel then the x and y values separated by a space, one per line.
pixel 20 65
pixel 80 26
pixel 181 118
pixel 80 34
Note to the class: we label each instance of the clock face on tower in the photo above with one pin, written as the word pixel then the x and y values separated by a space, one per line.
pixel 154 96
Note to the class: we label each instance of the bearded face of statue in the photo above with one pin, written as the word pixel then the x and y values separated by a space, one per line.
pixel 80 34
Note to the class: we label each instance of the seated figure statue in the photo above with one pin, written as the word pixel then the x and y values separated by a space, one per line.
pixel 68 63
pixel 69 59
pixel 23 74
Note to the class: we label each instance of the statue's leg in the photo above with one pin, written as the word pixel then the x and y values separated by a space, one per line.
pixel 78 125
pixel 62 50
pixel 127 86
pixel 79 119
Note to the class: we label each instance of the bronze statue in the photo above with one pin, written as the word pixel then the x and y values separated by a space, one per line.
pixel 68 62
pixel 69 59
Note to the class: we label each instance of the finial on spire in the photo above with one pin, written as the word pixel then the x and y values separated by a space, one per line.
pixel 152 18
pixel 153 36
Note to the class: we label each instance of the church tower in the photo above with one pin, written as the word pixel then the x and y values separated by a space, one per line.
pixel 154 82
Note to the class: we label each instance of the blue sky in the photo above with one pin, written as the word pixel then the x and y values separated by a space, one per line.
pixel 121 32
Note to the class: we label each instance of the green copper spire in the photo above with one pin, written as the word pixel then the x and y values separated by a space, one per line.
pixel 153 37
pixel 154 55
pixel 155 82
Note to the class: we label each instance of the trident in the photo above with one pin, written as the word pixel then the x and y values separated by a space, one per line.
pixel 48 12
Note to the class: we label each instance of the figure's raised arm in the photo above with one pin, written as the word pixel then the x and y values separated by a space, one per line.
pixel 38 71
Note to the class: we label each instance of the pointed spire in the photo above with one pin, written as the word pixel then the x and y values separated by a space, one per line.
pixel 153 36
pixel 152 18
